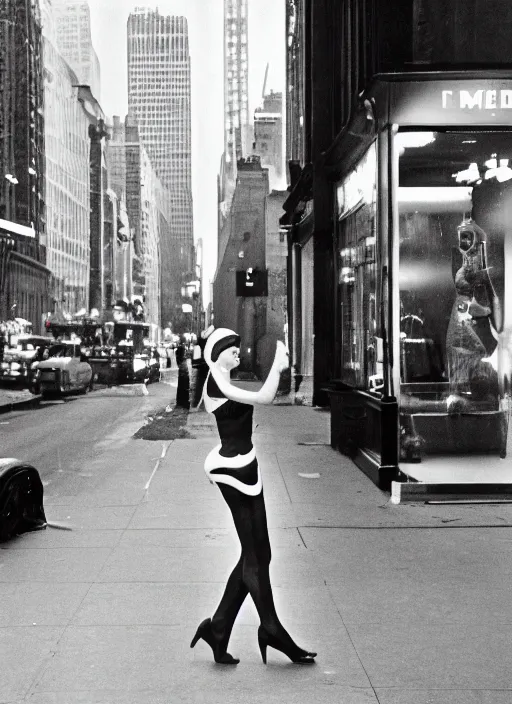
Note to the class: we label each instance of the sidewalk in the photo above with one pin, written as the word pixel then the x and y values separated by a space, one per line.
pixel 405 604
pixel 17 399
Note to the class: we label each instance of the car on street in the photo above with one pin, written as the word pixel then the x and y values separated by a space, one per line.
pixel 65 370
pixel 21 358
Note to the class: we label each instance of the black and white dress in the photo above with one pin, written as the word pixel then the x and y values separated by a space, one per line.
pixel 233 462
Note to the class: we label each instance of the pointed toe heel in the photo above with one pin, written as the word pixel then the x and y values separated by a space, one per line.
pixel 220 654
pixel 292 651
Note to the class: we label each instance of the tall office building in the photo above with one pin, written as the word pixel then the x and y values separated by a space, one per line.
pixel 67 184
pixel 23 274
pixel 238 135
pixel 237 132
pixel 74 41
pixel 159 97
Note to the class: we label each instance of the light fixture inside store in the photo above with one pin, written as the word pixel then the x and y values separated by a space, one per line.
pixel 469 175
pixel 498 170
pixel 414 140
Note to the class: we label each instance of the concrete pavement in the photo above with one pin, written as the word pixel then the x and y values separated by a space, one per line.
pixel 405 604
pixel 17 399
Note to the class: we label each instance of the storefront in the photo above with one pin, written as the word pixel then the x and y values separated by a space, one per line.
pixel 424 290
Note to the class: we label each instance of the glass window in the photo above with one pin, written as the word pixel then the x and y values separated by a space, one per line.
pixel 357 208
pixel 455 208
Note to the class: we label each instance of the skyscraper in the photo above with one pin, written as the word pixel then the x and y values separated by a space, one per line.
pixel 237 132
pixel 73 27
pixel 237 129
pixel 159 97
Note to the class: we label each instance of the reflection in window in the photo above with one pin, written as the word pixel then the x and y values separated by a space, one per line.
pixel 455 208
pixel 357 272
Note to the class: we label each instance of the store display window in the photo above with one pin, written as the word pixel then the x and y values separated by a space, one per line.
pixel 455 245
pixel 357 267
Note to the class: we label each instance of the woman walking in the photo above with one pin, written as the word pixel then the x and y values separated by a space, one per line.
pixel 233 466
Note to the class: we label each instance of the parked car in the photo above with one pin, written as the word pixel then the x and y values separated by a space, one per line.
pixel 66 369
pixel 21 358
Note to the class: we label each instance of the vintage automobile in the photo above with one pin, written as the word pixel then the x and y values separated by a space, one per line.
pixel 130 357
pixel 21 358
pixel 65 370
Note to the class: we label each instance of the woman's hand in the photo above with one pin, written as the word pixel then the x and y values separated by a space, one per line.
pixel 282 358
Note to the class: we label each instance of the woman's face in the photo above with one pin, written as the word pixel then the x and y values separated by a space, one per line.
pixel 229 358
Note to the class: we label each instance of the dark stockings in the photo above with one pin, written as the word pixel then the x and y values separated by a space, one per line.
pixel 251 573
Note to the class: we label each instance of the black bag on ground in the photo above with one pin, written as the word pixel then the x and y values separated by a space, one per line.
pixel 21 499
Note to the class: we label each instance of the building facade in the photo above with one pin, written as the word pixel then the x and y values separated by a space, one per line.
pixel 268 136
pixel 237 130
pixel 238 133
pixel 67 185
pixel 22 207
pixel 401 193
pixel 21 115
pixel 149 215
pixel 123 282
pixel 240 285
pixel 159 98
pixel 74 41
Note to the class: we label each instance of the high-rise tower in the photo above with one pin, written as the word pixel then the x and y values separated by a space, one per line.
pixel 237 132
pixel 159 96
pixel 238 135
pixel 74 42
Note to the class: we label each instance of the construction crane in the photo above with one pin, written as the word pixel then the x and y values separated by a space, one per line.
pixel 265 82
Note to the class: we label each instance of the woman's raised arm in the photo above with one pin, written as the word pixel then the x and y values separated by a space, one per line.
pixel 267 393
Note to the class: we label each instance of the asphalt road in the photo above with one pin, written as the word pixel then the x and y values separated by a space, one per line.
pixel 61 436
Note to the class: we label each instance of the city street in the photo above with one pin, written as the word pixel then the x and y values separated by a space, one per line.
pixel 405 604
pixel 61 436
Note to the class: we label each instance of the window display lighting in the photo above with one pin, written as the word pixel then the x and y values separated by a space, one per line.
pixel 415 140
pixel 501 172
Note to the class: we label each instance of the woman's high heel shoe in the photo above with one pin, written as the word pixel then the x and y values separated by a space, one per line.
pixel 220 656
pixel 296 654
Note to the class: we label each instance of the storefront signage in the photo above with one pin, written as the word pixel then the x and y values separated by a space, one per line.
pixel 448 102
pixel 477 99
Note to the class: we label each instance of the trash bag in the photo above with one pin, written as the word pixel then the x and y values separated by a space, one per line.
pixel 21 499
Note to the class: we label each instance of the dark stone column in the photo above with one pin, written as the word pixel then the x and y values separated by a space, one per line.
pixel 322 134
pixel 297 315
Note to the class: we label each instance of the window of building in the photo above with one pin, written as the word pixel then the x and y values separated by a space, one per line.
pixel 357 271
pixel 455 204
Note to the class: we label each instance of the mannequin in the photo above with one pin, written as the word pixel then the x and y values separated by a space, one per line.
pixel 233 466
pixel 475 322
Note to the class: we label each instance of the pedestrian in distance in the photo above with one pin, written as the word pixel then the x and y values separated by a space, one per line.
pixel 233 466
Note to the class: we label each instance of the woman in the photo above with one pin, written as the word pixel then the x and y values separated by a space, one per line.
pixel 233 466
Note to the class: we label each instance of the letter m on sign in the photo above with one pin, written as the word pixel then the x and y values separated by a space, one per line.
pixel 471 101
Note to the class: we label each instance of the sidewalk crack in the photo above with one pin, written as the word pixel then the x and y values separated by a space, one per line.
pixel 301 537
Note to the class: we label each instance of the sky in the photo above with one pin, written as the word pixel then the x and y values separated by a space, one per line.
pixel 206 19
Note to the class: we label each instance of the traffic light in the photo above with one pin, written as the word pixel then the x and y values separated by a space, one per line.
pixel 251 282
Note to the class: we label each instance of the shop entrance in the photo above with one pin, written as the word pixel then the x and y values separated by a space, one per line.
pixel 455 296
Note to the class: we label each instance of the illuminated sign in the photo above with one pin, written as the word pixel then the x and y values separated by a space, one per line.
pixel 486 101
pixel 477 99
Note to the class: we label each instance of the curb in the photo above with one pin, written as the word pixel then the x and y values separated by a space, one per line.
pixel 20 405
pixel 123 390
